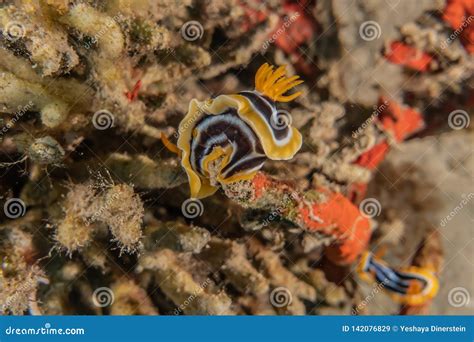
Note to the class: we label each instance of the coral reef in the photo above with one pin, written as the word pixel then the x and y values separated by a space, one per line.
pixel 97 214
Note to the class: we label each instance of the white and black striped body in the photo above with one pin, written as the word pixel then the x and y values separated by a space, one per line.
pixel 266 108
pixel 223 130
pixel 396 281
pixel 412 285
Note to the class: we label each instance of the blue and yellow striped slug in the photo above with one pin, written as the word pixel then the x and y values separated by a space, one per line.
pixel 228 138
pixel 412 285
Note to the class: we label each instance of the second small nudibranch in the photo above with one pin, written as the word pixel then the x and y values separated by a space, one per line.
pixel 410 286
pixel 228 138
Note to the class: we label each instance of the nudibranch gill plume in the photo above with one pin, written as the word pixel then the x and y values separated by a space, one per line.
pixel 228 138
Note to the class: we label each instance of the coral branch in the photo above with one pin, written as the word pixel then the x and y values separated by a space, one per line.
pixel 280 277
pixel 231 258
pixel 131 299
pixel 145 172
pixel 176 236
pixel 325 212
pixel 178 284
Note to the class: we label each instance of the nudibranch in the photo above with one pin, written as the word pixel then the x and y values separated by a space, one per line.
pixel 411 285
pixel 228 138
